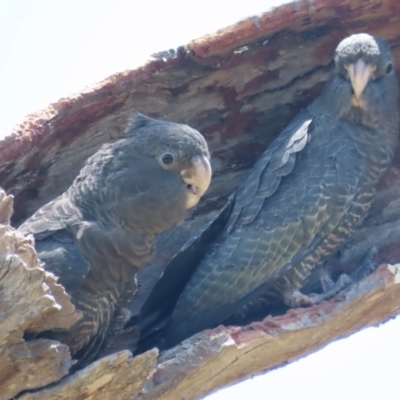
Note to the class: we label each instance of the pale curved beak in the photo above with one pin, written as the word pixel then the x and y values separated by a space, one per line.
pixel 197 179
pixel 359 73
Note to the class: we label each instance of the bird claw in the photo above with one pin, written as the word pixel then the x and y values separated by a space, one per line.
pixel 331 289
pixel 342 283
pixel 296 299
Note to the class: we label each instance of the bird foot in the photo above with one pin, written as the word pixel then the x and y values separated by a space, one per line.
pixel 342 283
pixel 296 299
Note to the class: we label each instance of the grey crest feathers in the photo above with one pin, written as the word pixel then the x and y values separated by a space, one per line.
pixel 97 234
pixel 147 130
pixel 306 194
pixel 371 48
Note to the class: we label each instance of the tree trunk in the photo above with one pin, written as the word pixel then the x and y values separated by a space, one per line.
pixel 239 87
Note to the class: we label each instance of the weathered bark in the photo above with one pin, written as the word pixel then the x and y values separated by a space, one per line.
pixel 118 376
pixel 31 301
pixel 239 87
pixel 218 357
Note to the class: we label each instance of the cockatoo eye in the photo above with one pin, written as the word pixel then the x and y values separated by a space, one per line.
pixel 167 158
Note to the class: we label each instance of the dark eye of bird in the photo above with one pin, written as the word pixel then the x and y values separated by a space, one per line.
pixel 389 68
pixel 167 158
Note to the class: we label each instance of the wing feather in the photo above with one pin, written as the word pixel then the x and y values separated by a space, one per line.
pixel 277 161
pixel 52 217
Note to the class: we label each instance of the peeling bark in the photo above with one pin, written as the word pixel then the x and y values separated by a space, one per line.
pixel 239 87
pixel 31 301
pixel 118 376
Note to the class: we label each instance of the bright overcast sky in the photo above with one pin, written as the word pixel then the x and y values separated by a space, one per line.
pixel 52 48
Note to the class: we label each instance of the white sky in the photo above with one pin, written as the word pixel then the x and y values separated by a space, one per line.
pixel 52 48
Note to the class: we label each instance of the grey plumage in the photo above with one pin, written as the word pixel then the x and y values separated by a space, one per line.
pixel 307 193
pixel 97 234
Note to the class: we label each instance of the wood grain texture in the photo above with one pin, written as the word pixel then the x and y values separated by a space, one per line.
pixel 31 301
pixel 240 87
